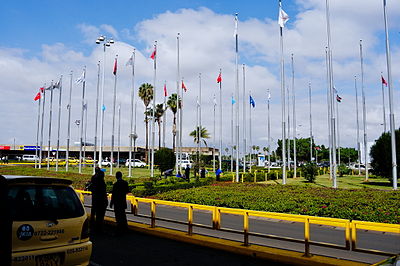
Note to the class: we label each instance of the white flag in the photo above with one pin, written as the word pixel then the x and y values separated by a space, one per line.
pixel 236 26
pixel 81 78
pixel 283 17
pixel 130 62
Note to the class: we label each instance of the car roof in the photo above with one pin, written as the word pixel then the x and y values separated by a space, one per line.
pixel 14 179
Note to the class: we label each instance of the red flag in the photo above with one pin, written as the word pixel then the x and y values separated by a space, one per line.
pixel 153 54
pixel 115 67
pixel 219 79
pixel 38 96
pixel 165 90
pixel 384 81
pixel 41 89
pixel 183 86
pixel 338 98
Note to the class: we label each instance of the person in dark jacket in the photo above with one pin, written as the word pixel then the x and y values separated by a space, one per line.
pixel 187 173
pixel 99 199
pixel 118 200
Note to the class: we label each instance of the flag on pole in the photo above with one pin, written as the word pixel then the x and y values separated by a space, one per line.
pixel 165 90
pixel 115 67
pixel 252 102
pixel 283 17
pixel 384 81
pixel 37 97
pixel 233 100
pixel 219 79
pixel 236 26
pixel 183 86
pixel 153 54
pixel 338 98
pixel 103 108
pixel 129 62
pixel 81 78
pixel 57 85
pixel 41 89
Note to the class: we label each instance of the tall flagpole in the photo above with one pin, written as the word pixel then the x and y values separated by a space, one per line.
pixel 283 100
pixel 337 127
pixel 250 133
pixel 177 125
pixel 41 129
pixel 197 131
pixel 269 132
pixel 364 112
pixel 311 133
pixel 391 114
pixel 113 115
pixel 82 113
pixel 288 127
pixel 214 104
pixel 328 98
pixel 50 118
pixel 358 128
pixel 232 144
pixel 69 124
pixel 181 126
pixel 131 136
pixel 119 133
pixel 164 113
pixel 237 95
pixel 58 123
pixel 85 132
pixel 220 123
pixel 200 125
pixel 383 104
pixel 294 122
pixel 96 116
pixel 37 132
pixel 244 119
pixel 153 115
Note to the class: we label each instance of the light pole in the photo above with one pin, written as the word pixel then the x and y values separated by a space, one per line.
pixel 106 43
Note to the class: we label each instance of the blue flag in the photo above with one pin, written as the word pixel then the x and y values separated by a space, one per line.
pixel 252 102
pixel 233 100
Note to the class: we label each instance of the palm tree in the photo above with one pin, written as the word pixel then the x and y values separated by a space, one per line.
pixel 203 135
pixel 172 103
pixel 146 94
pixel 158 113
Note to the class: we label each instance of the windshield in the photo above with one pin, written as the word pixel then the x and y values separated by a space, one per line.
pixel 35 203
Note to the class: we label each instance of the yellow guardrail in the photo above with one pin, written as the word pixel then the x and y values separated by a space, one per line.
pixel 350 227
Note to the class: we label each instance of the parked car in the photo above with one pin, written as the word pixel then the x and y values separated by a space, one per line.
pixel 30 157
pixel 73 160
pixel 106 163
pixel 135 163
pixel 50 225
pixel 185 163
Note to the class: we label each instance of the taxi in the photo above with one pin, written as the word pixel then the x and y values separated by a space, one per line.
pixel 50 225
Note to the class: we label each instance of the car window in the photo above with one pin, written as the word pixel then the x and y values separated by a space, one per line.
pixel 35 203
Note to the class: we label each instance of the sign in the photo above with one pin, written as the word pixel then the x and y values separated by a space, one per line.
pixel 30 148
pixel 5 148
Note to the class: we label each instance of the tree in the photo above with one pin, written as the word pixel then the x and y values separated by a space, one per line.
pixel 173 104
pixel 203 133
pixel 381 155
pixel 165 159
pixel 158 113
pixel 146 94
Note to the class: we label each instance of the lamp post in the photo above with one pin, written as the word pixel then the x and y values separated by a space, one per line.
pixel 106 43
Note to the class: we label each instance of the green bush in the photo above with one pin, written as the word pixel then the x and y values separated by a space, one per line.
pixel 310 171
pixel 343 170
pixel 149 188
pixel 165 159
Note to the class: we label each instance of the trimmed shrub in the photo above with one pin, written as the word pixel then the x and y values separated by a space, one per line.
pixel 310 171
pixel 165 159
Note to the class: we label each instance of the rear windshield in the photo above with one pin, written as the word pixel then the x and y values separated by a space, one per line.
pixel 35 203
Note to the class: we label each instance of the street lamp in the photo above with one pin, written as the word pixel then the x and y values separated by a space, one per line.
pixel 106 43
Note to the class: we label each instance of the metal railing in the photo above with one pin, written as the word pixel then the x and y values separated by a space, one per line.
pixel 350 227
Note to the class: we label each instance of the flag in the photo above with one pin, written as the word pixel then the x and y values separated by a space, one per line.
pixel 283 17
pixel 103 108
pixel 384 81
pixel 115 67
pixel 233 100
pixel 130 61
pixel 81 78
pixel 37 97
pixel 252 102
pixel 153 54
pixel 165 90
pixel 236 26
pixel 183 86
pixel 57 85
pixel 317 148
pixel 219 79
pixel 41 89
pixel 338 98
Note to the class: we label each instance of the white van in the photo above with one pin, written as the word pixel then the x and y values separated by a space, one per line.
pixel 29 157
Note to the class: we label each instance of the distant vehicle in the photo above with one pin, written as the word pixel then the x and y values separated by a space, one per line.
pixel 324 164
pixel 106 163
pixel 50 225
pixel 135 163
pixel 355 166
pixel 87 160
pixel 29 157
pixel 185 163
pixel 73 160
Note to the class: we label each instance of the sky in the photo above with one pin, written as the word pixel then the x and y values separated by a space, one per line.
pixel 43 40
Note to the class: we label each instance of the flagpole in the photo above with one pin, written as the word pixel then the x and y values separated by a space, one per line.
pixel 358 128
pixel 37 132
pixel 181 127
pixel 269 133
pixel 50 118
pixel 214 103
pixel 311 133
pixel 237 96
pixel 232 134
pixel 288 127
pixel 153 115
pixel 328 99
pixel 200 125
pixel 82 113
pixel 85 134
pixel 97 117
pixel 364 112
pixel 383 104
pixel 177 133
pixel 197 133
pixel 58 124
pixel 113 115
pixel 294 122
pixel 391 114
pixel 133 57
pixel 41 130
pixel 164 113
pixel 250 132
pixel 244 119
pixel 119 133
pixel 220 123
pixel 283 104
pixel 338 130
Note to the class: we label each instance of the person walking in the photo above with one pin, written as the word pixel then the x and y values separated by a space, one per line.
pixel 187 173
pixel 118 200
pixel 99 199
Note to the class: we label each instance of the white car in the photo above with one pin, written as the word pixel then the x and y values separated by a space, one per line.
pixel 106 163
pixel 185 163
pixel 135 163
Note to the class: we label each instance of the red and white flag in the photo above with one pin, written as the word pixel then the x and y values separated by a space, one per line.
pixel 115 67
pixel 41 89
pixel 219 79
pixel 38 96
pixel 153 54
pixel 384 81
pixel 165 90
pixel 183 86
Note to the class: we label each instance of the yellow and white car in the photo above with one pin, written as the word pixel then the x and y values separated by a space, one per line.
pixel 50 224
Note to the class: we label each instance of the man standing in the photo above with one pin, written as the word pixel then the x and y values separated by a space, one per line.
pixel 99 199
pixel 187 173
pixel 118 200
